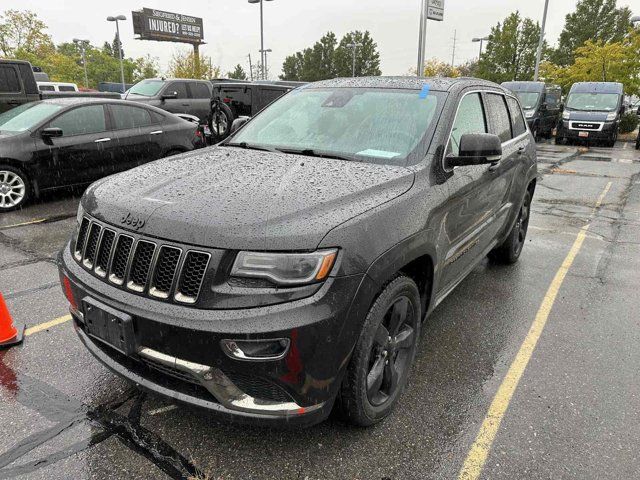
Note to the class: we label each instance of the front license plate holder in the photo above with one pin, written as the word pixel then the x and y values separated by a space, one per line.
pixel 109 326
pixel 583 134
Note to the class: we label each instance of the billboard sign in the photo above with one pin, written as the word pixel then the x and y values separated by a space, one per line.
pixel 152 24
pixel 435 10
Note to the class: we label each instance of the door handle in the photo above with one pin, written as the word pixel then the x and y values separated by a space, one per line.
pixel 157 132
pixel 521 150
pixel 102 140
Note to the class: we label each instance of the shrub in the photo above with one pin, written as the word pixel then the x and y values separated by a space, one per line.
pixel 629 122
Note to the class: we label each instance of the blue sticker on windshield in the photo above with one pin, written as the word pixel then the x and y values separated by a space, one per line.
pixel 425 91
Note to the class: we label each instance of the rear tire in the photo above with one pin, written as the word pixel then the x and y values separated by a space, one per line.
pixel 510 250
pixel 382 359
pixel 15 188
pixel 220 127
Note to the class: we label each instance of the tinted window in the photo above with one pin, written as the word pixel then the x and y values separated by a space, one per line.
pixel 156 117
pixel 519 125
pixel 199 90
pixel 552 99
pixel 47 88
pixel 499 116
pixel 146 88
pixel 66 88
pixel 271 94
pixel 81 121
pixel 26 116
pixel 125 116
pixel 470 119
pixel 9 81
pixel 179 87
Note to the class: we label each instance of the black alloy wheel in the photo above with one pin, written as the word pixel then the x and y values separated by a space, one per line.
pixel 509 252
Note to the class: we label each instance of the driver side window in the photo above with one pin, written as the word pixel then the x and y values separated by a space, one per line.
pixel 470 119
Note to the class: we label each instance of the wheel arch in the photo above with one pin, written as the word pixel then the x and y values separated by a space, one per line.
pixel 31 178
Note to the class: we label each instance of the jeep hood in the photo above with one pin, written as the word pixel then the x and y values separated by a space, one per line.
pixel 244 199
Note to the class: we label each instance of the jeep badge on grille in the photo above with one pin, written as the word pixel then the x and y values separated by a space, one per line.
pixel 134 222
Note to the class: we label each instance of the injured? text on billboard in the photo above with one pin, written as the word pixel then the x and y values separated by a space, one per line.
pixel 435 10
pixel 152 24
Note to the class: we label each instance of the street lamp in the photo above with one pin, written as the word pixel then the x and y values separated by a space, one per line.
pixel 264 57
pixel 354 46
pixel 115 19
pixel 481 40
pixel 541 42
pixel 261 34
pixel 83 49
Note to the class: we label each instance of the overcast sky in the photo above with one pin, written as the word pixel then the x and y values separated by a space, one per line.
pixel 231 27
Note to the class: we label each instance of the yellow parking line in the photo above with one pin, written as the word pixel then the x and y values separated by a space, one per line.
pixel 31 222
pixel 46 325
pixel 477 457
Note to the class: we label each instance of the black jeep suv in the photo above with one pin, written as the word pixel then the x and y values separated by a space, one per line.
pixel 290 268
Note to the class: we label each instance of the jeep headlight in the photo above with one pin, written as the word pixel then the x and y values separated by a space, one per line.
pixel 566 115
pixel 612 116
pixel 529 113
pixel 285 268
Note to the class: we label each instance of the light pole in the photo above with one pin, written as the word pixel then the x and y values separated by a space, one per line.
pixel 354 46
pixel 541 42
pixel 83 49
pixel 422 37
pixel 262 61
pixel 481 40
pixel 264 65
pixel 115 19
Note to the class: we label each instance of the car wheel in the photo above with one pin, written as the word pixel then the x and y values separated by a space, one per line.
pixel 510 250
pixel 536 133
pixel 381 362
pixel 220 123
pixel 14 188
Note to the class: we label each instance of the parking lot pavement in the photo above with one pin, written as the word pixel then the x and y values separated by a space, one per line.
pixel 572 410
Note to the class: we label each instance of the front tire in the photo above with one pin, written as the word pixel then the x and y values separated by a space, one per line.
pixel 14 188
pixel 510 250
pixel 381 362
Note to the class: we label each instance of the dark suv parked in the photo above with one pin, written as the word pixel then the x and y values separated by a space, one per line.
pixel 175 95
pixel 290 268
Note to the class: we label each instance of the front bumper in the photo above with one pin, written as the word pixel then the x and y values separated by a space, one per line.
pixel 178 350
pixel 567 130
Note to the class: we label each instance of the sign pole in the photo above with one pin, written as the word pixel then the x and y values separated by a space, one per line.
pixel 541 42
pixel 421 38
pixel 196 60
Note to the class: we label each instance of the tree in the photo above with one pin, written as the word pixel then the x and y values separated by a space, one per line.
pixel 595 20
pixel 238 73
pixel 468 68
pixel 145 67
pixel 367 56
pixel 329 59
pixel 601 62
pixel 114 47
pixel 511 50
pixel 183 65
pixel 22 31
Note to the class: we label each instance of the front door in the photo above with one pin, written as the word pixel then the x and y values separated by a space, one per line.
pixel 80 155
pixel 200 94
pixel 182 102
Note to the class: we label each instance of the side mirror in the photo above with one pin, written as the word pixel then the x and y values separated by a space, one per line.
pixel 48 133
pixel 170 96
pixel 477 149
pixel 238 123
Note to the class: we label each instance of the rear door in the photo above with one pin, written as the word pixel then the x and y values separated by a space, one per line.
pixel 182 102
pixel 137 135
pixel 82 154
pixel 200 97
pixel 11 92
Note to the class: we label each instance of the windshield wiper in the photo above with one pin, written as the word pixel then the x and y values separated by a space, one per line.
pixel 309 152
pixel 248 146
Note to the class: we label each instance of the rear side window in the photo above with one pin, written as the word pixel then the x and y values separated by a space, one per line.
pixel 9 81
pixel 552 99
pixel 81 121
pixel 499 116
pixel 179 87
pixel 517 120
pixel 47 88
pixel 125 116
pixel 66 88
pixel 199 90
pixel 469 119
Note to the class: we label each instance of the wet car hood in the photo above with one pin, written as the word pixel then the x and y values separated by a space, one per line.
pixel 244 199
pixel 578 115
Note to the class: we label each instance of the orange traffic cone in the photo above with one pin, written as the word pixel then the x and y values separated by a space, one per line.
pixel 9 334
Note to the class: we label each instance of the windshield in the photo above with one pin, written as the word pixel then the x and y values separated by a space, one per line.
pixel 26 116
pixel 604 102
pixel 529 100
pixel 147 88
pixel 370 125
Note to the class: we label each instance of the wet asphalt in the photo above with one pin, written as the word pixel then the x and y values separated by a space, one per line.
pixel 575 413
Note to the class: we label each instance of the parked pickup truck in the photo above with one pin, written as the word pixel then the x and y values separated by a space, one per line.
pixel 18 85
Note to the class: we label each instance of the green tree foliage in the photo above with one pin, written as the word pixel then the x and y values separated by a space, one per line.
pixel 629 122
pixel 601 62
pixel 329 59
pixel 595 20
pixel 22 32
pixel 183 65
pixel 238 73
pixel 511 50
